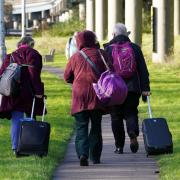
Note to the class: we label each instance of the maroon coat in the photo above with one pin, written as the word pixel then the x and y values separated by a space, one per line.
pixel 81 75
pixel 30 83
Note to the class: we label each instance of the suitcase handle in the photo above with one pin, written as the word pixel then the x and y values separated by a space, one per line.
pixel 149 107
pixel 32 111
pixel 44 108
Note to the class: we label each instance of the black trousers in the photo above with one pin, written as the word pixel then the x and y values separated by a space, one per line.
pixel 88 143
pixel 127 111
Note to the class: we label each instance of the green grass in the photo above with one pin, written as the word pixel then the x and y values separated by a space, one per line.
pixel 165 102
pixel 58 106
pixel 62 124
pixel 44 44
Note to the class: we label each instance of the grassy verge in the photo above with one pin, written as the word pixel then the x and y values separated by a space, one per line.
pixel 61 128
pixel 165 102
pixel 44 44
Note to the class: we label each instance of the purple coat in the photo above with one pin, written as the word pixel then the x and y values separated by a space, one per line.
pixel 81 75
pixel 31 83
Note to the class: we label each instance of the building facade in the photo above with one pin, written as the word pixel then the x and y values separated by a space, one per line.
pixel 40 12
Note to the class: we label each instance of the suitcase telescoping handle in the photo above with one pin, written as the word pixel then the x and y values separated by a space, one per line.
pixel 32 111
pixel 149 107
pixel 44 108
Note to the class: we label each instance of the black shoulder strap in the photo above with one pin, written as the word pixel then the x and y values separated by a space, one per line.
pixel 90 62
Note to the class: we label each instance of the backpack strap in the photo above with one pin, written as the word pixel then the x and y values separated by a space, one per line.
pixel 23 65
pixel 11 59
pixel 27 65
pixel 92 64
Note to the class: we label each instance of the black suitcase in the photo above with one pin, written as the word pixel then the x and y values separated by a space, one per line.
pixel 33 135
pixel 156 134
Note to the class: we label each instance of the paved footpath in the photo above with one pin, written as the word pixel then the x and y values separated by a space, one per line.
pixel 127 166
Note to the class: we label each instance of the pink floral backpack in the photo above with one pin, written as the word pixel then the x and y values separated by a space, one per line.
pixel 124 61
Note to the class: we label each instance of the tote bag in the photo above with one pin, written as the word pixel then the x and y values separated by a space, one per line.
pixel 110 87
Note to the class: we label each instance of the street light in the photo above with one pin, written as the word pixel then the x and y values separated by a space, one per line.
pixel 2 33
pixel 23 18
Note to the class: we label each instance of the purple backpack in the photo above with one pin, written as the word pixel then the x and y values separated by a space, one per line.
pixel 110 87
pixel 124 61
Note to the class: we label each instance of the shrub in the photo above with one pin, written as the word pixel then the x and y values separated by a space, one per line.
pixel 67 28
pixel 63 28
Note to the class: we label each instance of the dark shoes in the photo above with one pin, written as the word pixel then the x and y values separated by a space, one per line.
pixel 96 161
pixel 119 150
pixel 134 146
pixel 83 161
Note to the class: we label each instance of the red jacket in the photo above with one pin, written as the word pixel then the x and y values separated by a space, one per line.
pixel 81 75
pixel 30 83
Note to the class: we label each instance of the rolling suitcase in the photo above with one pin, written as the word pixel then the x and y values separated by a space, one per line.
pixel 156 134
pixel 34 135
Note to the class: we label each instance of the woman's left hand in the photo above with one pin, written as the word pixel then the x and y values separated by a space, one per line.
pixel 38 96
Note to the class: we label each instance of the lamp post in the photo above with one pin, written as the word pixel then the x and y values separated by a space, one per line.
pixel 2 33
pixel 23 18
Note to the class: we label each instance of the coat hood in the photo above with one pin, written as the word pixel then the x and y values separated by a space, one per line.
pixel 86 39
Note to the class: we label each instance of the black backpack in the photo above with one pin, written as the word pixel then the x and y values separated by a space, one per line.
pixel 10 84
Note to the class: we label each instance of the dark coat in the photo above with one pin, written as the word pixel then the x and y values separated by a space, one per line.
pixel 140 81
pixel 79 72
pixel 30 83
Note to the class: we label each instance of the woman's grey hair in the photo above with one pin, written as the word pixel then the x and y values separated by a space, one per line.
pixel 120 29
pixel 26 40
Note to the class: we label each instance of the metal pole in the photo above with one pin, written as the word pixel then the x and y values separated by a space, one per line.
pixel 23 17
pixel 2 33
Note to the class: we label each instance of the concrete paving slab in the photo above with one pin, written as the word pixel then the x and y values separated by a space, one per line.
pixel 127 166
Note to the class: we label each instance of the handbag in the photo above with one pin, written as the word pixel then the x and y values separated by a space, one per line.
pixel 110 87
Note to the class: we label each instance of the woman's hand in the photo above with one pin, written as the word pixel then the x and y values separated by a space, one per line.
pixel 145 94
pixel 38 96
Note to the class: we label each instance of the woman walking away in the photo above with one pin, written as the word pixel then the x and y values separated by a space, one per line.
pixel 31 85
pixel 85 104
pixel 129 63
